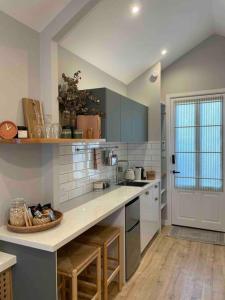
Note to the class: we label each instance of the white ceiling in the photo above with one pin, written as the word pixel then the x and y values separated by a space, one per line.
pixel 123 45
pixel 36 14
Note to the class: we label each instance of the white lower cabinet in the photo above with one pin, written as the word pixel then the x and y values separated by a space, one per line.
pixel 149 215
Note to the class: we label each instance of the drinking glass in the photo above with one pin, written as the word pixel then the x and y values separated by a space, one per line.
pixel 56 131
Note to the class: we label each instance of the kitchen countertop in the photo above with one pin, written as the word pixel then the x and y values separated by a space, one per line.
pixel 92 209
pixel 6 261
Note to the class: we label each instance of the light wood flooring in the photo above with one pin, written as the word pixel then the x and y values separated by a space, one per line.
pixel 174 269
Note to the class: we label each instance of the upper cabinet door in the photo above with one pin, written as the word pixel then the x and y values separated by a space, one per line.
pixel 113 121
pixel 127 109
pixel 125 120
pixel 141 123
pixel 134 121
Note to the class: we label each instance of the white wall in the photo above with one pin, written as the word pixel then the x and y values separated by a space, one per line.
pixel 148 93
pixel 20 165
pixel 203 68
pixel 19 67
pixel 92 77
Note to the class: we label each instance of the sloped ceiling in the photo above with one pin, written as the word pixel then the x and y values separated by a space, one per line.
pixel 36 14
pixel 121 44
pixel 124 46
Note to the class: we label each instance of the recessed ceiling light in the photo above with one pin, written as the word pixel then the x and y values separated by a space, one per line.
pixel 164 52
pixel 135 9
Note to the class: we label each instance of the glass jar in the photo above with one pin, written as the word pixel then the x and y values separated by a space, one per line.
pixel 78 133
pixel 16 212
pixel 56 131
pixel 66 132
pixel 47 131
pixel 38 131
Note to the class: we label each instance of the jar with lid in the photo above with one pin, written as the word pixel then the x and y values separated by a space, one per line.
pixel 16 212
pixel 22 132
pixel 78 133
pixel 66 132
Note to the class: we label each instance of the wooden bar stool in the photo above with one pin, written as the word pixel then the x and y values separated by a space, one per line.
pixel 6 285
pixel 104 236
pixel 72 261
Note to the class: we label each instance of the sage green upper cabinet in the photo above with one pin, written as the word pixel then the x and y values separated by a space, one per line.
pixel 110 106
pixel 112 117
pixel 125 120
pixel 134 121
pixel 127 124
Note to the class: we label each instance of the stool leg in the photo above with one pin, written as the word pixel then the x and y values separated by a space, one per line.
pixel 98 264
pixel 119 262
pixel 74 285
pixel 105 271
pixel 63 288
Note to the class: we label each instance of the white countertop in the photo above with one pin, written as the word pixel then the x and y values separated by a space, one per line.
pixel 77 220
pixel 6 261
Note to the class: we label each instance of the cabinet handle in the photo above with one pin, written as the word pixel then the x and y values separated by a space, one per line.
pixel 156 186
pixel 147 193
pixel 156 199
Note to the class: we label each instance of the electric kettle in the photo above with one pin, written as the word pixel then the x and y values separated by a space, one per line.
pixel 129 174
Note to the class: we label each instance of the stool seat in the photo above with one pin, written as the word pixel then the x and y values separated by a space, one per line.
pixel 100 235
pixel 75 256
pixel 73 260
pixel 105 237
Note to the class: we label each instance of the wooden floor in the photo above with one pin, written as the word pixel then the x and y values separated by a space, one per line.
pixel 175 269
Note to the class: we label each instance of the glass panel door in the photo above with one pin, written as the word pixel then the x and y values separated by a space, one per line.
pixel 199 143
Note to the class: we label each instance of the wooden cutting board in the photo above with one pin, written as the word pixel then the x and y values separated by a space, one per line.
pixel 33 114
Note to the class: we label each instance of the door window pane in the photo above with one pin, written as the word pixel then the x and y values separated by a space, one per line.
pixel 199 143
pixel 210 113
pixel 185 139
pixel 185 114
pixel 210 139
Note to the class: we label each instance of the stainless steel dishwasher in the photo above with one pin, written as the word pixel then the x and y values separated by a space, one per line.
pixel 133 245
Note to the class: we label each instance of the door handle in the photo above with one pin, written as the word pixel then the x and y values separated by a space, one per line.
pixel 147 193
pixel 175 172
pixel 156 199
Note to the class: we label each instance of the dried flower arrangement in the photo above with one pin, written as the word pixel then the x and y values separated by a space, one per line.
pixel 74 100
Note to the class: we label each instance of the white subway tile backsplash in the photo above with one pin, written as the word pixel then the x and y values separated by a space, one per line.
pixel 76 168
pixel 145 155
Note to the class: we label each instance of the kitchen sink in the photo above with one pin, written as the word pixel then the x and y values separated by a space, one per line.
pixel 133 183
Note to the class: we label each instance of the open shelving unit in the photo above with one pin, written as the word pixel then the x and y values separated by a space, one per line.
pixel 163 163
pixel 50 141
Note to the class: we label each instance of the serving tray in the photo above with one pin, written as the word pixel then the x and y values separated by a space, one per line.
pixel 37 228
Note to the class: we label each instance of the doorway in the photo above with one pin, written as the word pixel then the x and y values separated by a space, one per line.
pixel 196 166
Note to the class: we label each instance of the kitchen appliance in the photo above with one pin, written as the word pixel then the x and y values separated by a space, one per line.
pixel 143 177
pixel 129 174
pixel 132 236
pixel 138 172
pixel 101 185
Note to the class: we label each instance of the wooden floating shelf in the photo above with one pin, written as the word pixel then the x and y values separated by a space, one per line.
pixel 51 141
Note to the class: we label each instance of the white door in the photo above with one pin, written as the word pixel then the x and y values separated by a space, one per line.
pixel 196 162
